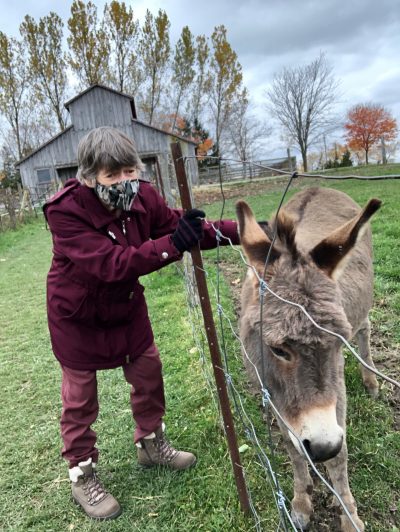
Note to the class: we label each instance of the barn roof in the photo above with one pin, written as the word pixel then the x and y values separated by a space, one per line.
pixel 109 89
pixel 44 145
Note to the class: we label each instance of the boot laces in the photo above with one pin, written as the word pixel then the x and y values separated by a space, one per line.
pixel 165 449
pixel 93 489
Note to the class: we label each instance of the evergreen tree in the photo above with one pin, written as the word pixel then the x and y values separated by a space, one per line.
pixel 10 176
pixel 346 159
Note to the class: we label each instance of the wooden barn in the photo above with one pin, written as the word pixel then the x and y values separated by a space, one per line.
pixel 55 161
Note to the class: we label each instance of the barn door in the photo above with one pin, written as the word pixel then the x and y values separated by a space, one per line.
pixel 66 173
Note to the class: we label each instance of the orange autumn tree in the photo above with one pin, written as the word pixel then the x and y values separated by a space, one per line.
pixel 195 132
pixel 368 124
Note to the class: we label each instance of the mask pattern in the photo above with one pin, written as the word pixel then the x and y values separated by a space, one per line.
pixel 119 195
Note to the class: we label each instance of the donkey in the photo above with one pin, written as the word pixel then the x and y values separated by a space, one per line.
pixel 322 260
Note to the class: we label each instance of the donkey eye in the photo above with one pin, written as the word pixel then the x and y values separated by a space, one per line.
pixel 280 353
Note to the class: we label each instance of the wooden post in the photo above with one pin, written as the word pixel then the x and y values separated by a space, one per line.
pixel 11 208
pixel 20 191
pixel 383 148
pixel 289 160
pixel 212 336
pixel 22 206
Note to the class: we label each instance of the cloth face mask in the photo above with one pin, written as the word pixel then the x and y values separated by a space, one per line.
pixel 119 195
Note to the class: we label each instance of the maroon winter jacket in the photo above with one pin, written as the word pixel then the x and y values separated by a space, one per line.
pixel 97 312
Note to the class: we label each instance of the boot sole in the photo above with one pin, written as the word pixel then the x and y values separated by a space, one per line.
pixel 107 518
pixel 150 465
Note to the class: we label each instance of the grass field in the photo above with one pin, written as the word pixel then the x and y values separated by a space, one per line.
pixel 33 483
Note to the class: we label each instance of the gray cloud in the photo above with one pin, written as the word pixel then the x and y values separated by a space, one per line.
pixel 361 38
pixel 293 26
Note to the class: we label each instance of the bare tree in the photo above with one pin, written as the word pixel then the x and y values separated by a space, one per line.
pixel 34 128
pixel 391 149
pixel 14 86
pixel 245 131
pixel 302 100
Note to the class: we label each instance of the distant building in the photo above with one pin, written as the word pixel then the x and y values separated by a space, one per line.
pixel 55 161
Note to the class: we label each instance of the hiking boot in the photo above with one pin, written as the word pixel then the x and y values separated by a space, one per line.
pixel 155 449
pixel 88 492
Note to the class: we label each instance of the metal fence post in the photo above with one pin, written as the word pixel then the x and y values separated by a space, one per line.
pixel 212 336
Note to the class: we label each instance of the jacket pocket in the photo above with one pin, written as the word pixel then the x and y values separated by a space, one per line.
pixel 117 307
pixel 69 301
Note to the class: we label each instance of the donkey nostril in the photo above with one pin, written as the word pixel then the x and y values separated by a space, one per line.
pixel 307 446
pixel 320 452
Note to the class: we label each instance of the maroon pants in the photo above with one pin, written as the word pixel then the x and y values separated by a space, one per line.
pixel 80 406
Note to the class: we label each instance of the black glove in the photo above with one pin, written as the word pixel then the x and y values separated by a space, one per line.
pixel 189 230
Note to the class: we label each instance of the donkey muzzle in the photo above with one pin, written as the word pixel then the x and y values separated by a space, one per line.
pixel 319 433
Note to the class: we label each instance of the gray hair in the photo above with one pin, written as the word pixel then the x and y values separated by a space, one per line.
pixel 105 148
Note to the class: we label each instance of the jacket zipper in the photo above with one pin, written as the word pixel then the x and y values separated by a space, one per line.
pixel 123 227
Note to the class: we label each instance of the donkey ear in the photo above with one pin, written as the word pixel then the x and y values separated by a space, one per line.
pixel 330 252
pixel 253 239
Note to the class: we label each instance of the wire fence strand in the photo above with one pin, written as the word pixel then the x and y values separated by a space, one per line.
pixel 299 174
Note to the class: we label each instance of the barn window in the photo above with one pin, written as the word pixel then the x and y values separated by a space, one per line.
pixel 44 175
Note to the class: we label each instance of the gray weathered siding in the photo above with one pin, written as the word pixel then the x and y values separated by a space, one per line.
pixel 100 107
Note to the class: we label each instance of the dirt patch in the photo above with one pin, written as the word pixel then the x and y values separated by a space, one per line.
pixel 207 194
pixel 394 402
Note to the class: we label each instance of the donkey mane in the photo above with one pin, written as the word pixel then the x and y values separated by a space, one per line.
pixel 286 232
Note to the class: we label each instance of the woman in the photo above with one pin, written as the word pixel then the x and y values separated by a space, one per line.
pixel 109 228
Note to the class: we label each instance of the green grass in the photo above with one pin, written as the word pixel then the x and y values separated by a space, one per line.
pixel 33 484
pixel 366 170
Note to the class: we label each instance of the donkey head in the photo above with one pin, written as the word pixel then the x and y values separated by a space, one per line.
pixel 303 366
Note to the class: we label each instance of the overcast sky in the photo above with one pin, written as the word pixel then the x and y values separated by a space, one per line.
pixel 361 39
